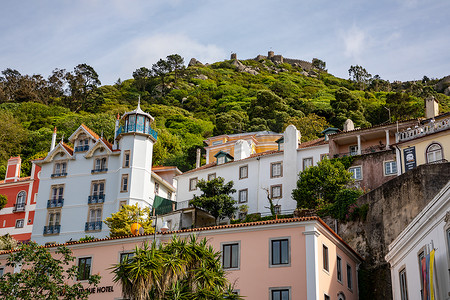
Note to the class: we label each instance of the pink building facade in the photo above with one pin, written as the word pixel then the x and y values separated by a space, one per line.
pixel 298 258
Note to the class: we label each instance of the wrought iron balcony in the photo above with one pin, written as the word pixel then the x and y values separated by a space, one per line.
pixel 93 226
pixel 102 170
pixel 52 229
pixel 81 148
pixel 93 199
pixel 55 175
pixel 55 203
pixel 137 128
pixel 19 207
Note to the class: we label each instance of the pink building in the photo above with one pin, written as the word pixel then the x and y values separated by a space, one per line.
pixel 298 258
pixel 17 217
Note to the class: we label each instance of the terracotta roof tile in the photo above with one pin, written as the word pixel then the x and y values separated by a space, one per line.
pixel 313 143
pixel 90 131
pixel 20 179
pixel 108 144
pixel 68 148
pixel 218 227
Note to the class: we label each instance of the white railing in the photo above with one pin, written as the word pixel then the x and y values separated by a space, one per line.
pixel 419 131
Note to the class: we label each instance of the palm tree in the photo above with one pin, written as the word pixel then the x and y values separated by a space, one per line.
pixel 179 269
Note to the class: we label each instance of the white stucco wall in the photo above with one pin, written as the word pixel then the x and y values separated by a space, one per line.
pixel 258 176
pixel 427 229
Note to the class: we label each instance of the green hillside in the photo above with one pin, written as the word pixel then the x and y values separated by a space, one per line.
pixel 193 103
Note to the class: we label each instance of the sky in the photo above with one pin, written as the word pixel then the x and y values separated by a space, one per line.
pixel 396 39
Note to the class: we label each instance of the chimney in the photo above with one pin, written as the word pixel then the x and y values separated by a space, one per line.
pixel 233 56
pixel 199 155
pixel 348 125
pixel 116 128
pixel 431 107
pixel 13 169
pixel 52 146
pixel 242 150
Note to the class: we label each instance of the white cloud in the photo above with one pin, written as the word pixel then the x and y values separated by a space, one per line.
pixel 145 51
pixel 354 41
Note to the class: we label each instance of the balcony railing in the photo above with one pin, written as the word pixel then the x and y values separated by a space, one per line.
pixel 55 203
pixel 102 170
pixel 369 150
pixel 93 199
pixel 137 128
pixel 52 229
pixel 81 148
pixel 419 131
pixel 55 175
pixel 19 207
pixel 93 226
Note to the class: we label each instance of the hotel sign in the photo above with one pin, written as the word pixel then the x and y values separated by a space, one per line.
pixel 410 158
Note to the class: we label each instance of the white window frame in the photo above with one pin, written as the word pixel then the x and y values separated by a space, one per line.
pixel 20 223
pixel 353 150
pixel 389 164
pixel 434 153
pixel 354 173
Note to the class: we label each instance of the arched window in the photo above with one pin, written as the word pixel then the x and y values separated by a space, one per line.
pixel 434 153
pixel 21 199
pixel 341 296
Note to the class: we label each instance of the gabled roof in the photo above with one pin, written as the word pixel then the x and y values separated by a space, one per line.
pixel 86 130
pixel 100 142
pixel 313 143
pixel 60 147
pixel 223 153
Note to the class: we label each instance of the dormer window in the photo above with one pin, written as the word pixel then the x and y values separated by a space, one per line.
pixel 223 157
pixel 83 145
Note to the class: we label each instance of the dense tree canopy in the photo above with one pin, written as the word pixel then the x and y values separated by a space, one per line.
pixel 216 198
pixel 320 183
pixel 193 103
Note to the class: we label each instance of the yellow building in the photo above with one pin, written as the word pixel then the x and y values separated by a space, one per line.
pixel 260 141
pixel 426 143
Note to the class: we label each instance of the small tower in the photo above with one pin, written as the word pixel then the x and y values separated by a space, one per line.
pixel 135 139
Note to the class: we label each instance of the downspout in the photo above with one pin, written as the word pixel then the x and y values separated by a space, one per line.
pixel 400 159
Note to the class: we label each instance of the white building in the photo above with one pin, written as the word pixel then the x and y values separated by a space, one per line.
pixel 255 175
pixel 430 230
pixel 81 186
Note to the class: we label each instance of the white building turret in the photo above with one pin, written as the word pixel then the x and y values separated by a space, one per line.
pixel 136 139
